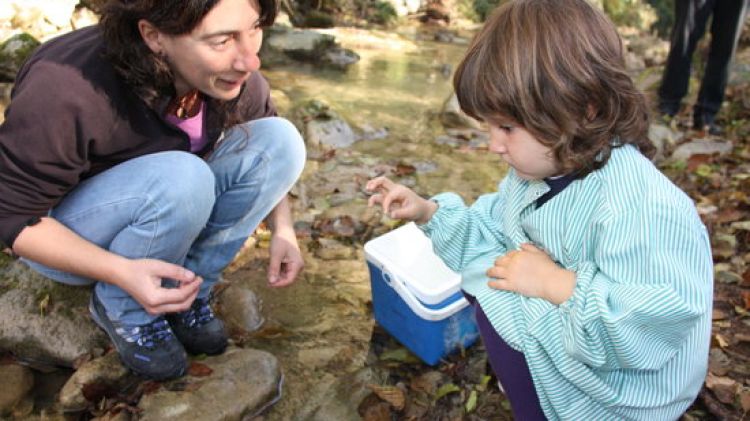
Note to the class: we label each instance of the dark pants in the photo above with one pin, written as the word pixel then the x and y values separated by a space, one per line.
pixel 510 368
pixel 691 17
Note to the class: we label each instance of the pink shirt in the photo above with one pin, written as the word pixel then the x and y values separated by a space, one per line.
pixel 194 128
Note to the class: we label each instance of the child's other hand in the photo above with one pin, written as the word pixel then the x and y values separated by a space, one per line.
pixel 530 272
pixel 400 202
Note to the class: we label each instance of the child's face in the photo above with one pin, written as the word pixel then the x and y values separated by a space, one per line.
pixel 521 150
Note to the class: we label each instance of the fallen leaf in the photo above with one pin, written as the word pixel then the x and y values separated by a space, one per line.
pixel 746 299
pixel 729 215
pixel 696 161
pixel 391 394
pixel 717 314
pixel 746 278
pixel 402 170
pixel 724 388
pixel 95 391
pixel 44 305
pixel 471 403
pixel 199 369
pixel 721 341
pixel 745 399
pixel 379 412
pixel 446 389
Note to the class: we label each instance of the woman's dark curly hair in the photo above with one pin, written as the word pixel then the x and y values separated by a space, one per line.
pixel 146 72
pixel 556 68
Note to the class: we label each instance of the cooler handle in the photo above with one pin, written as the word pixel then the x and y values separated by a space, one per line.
pixel 416 306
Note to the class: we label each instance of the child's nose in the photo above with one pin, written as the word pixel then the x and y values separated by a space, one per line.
pixel 497 143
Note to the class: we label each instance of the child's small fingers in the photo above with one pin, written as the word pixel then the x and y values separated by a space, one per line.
pixel 497 272
pixel 500 284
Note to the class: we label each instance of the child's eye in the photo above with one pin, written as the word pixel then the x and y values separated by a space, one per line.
pixel 506 127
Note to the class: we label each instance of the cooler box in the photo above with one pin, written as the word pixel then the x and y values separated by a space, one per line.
pixel 415 297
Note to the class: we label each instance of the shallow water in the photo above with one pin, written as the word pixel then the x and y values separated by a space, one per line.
pixel 322 327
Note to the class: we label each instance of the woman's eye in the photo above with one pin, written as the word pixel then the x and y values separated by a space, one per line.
pixel 221 42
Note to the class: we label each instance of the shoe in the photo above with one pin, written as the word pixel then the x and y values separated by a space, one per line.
pixel 150 350
pixel 199 330
pixel 706 124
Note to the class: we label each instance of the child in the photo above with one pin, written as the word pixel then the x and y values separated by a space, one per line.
pixel 590 272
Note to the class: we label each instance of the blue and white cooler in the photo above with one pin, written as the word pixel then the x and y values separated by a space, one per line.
pixel 416 297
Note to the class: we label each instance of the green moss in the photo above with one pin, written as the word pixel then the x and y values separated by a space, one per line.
pixel 14 51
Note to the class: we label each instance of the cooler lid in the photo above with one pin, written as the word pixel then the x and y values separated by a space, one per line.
pixel 407 253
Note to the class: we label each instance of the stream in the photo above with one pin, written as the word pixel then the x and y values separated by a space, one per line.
pixel 322 328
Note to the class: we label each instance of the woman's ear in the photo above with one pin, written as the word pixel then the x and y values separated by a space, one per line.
pixel 151 36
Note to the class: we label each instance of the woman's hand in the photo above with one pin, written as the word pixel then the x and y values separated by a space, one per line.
pixel 142 279
pixel 285 258
pixel 400 202
pixel 530 272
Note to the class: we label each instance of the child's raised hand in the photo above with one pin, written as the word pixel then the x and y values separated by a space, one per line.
pixel 399 201
pixel 530 272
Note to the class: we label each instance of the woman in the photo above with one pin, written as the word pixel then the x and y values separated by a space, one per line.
pixel 139 154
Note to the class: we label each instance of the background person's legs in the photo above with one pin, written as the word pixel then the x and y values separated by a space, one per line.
pixel 726 27
pixel 691 17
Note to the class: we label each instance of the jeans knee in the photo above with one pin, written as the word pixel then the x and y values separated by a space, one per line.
pixel 287 148
pixel 188 187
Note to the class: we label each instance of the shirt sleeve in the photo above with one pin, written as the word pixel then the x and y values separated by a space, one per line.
pixel 460 234
pixel 649 283
pixel 44 143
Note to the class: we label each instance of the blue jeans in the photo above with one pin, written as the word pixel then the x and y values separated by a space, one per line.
pixel 179 208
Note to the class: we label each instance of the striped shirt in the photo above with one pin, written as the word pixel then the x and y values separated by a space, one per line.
pixel 632 341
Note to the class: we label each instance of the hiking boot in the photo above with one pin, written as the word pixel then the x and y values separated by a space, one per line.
pixel 150 350
pixel 199 330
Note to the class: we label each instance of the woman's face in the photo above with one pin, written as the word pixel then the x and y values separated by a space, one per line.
pixel 218 55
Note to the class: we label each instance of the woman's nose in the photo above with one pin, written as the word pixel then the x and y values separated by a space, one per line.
pixel 247 59
pixel 247 63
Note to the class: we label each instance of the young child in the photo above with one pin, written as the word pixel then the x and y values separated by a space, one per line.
pixel 590 272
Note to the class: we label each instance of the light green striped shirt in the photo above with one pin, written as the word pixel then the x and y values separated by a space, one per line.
pixel 632 342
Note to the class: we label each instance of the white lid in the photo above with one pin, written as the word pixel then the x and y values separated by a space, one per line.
pixel 407 253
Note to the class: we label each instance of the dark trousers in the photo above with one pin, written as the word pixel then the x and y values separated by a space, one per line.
pixel 691 17
pixel 510 368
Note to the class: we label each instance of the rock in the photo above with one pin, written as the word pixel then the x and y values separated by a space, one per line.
pixel 240 309
pixel 332 133
pixel 304 45
pixel 43 19
pixel 634 62
pixel 318 357
pixel 339 401
pixel 83 17
pixel 453 117
pixel 17 382
pixel 405 7
pixel 340 58
pixel 98 378
pixel 13 52
pixel 331 249
pixel 44 321
pixel 702 147
pixel 663 138
pixel 243 383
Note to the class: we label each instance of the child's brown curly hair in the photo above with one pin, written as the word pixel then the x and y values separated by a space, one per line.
pixel 556 68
